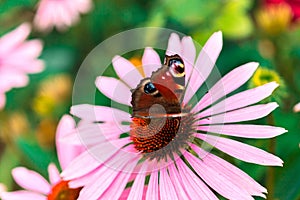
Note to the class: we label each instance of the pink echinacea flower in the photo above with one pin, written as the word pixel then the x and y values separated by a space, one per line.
pixel 18 58
pixel 37 187
pixel 187 170
pixel 60 13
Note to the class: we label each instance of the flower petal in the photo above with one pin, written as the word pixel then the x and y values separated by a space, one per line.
pixel 14 38
pixel 153 190
pixel 204 64
pixel 66 152
pixel 53 172
pixel 22 195
pixel 114 89
pixel 297 107
pixel 127 71
pixel 241 151
pixel 227 84
pixel 174 45
pixel 151 61
pixel 178 183
pixel 243 114
pixel 194 186
pixel 241 99
pixel 2 100
pixel 244 130
pixel 167 190
pixel 137 188
pixel 95 156
pixel 31 180
pixel 100 113
pixel 107 175
pixel 188 55
pixel 232 173
pixel 217 180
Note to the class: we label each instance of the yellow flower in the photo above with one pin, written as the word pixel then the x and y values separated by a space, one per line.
pixel 265 75
pixel 52 92
pixel 274 19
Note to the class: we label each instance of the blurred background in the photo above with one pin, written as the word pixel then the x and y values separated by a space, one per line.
pixel 264 31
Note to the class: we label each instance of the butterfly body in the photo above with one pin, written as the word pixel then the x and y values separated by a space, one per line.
pixel 158 116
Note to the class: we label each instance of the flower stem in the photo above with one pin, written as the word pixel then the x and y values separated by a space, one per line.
pixel 271 171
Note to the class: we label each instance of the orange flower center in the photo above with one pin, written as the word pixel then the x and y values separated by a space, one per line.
pixel 61 191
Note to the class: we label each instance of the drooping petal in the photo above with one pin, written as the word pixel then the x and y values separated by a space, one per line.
pixel 297 107
pixel 95 156
pixel 31 180
pixel 127 71
pixel 137 188
pixel 53 173
pixel 166 188
pixel 22 195
pixel 194 186
pixel 216 180
pixel 204 64
pixel 227 84
pixel 114 89
pixel 241 151
pixel 100 113
pixel 177 182
pixel 153 190
pixel 151 61
pixel 244 130
pixel 107 175
pixel 232 173
pixel 2 100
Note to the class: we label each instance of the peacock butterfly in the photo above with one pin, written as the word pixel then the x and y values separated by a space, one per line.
pixel 159 125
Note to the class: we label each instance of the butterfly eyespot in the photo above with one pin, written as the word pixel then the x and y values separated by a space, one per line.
pixel 149 88
pixel 176 68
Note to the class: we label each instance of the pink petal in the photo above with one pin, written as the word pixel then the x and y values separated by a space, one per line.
pixel 137 188
pixel 100 113
pixel 29 49
pixel 241 151
pixel 12 79
pixel 167 190
pixel 117 188
pixel 114 89
pixel 153 190
pixel 193 184
pixel 84 6
pixel 66 152
pixel 53 172
pixel 216 180
pixel 244 114
pixel 241 99
pixel 95 134
pixel 174 45
pixel 24 65
pixel 297 107
pixel 204 64
pixel 107 175
pixel 127 71
pixel 95 156
pixel 151 61
pixel 31 180
pixel 177 182
pixel 22 195
pixel 244 130
pixel 227 84
pixel 188 55
pixel 232 173
pixel 14 38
